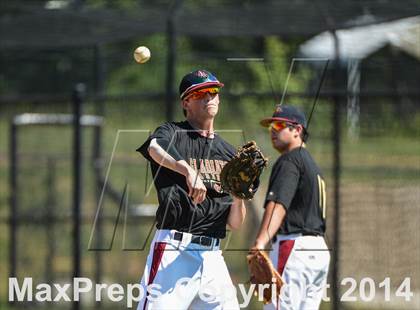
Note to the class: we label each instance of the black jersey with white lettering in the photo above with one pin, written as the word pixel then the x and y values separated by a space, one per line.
pixel 296 182
pixel 206 155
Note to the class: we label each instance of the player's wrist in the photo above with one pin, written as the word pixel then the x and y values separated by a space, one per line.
pixel 258 245
pixel 184 169
pixel 237 200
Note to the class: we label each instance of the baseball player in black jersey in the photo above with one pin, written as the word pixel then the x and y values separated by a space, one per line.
pixel 185 268
pixel 295 214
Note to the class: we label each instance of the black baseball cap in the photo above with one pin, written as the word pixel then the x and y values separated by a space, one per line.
pixel 286 113
pixel 196 80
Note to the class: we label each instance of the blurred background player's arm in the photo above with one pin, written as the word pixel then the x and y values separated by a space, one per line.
pixel 237 214
pixel 196 188
pixel 272 219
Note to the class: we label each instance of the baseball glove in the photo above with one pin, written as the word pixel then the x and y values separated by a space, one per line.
pixel 240 176
pixel 263 272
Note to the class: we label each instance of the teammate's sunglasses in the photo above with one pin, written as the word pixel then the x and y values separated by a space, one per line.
pixel 279 125
pixel 201 93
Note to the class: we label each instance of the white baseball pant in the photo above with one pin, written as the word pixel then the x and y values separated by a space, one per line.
pixel 303 263
pixel 185 275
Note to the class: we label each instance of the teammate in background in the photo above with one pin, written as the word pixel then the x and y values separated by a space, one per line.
pixel 186 159
pixel 294 215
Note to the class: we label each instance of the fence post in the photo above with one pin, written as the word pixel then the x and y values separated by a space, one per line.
pixel 336 119
pixel 97 166
pixel 13 225
pixel 50 217
pixel 171 59
pixel 77 98
pixel 99 74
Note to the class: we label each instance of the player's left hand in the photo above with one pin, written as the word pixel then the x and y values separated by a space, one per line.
pixel 240 176
pixel 263 272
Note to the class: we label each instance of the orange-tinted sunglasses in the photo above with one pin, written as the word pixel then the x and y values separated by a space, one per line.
pixel 279 126
pixel 199 94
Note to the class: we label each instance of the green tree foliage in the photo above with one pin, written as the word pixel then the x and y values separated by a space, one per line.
pixel 277 62
pixel 127 76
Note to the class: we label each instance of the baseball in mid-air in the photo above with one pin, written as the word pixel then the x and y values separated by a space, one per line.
pixel 142 54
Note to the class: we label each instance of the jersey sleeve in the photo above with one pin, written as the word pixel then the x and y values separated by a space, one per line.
pixel 164 135
pixel 230 151
pixel 283 184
